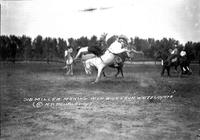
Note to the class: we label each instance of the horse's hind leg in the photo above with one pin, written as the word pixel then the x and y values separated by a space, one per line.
pixel 118 70
pixel 121 70
pixel 163 70
pixel 175 67
pixel 98 74
pixel 168 71
pixel 82 50
pixel 68 71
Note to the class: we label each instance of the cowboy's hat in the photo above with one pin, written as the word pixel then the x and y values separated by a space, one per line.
pixel 70 50
pixel 124 38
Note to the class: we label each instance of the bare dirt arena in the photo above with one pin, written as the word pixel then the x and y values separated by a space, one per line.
pixel 38 101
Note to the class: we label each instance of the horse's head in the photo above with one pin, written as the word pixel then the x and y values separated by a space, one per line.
pixel 132 53
pixel 157 55
pixel 161 55
pixel 129 54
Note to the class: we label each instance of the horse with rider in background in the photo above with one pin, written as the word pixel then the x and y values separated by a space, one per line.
pixel 174 58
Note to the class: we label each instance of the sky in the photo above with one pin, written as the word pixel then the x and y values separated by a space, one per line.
pixel 178 19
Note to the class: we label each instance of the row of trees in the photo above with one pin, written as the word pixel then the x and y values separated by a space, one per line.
pixel 53 48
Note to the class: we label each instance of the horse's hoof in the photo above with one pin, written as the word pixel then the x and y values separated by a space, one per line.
pixel 67 73
pixel 93 83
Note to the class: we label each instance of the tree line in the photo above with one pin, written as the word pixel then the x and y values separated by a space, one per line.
pixel 47 48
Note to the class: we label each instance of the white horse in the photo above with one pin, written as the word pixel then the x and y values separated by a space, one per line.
pixel 107 58
pixel 68 62
pixel 85 57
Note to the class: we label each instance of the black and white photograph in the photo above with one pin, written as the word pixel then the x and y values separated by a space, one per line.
pixel 100 69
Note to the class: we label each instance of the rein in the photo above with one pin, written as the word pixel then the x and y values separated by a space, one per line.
pixel 112 52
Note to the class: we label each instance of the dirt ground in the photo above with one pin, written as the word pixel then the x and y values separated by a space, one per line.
pixel 38 101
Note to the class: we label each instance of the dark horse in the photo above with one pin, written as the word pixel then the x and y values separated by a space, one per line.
pixel 182 61
pixel 119 64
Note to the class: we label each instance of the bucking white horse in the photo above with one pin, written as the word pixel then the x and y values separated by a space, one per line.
pixel 107 58
pixel 68 62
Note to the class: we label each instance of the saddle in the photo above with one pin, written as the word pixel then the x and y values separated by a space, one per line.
pixel 117 59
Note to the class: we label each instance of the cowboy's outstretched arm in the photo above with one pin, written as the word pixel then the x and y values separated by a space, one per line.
pixel 139 52
pixel 85 49
pixel 124 50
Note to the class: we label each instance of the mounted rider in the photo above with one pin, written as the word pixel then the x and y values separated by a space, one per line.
pixel 173 57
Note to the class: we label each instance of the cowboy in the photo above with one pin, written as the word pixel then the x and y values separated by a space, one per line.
pixel 118 47
pixel 13 49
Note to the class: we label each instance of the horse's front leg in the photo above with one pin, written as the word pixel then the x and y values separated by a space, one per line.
pixel 103 72
pixel 68 70
pixel 189 70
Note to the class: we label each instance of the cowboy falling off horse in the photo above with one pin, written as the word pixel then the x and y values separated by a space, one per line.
pixel 100 56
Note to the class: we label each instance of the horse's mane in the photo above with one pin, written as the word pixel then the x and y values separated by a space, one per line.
pixel 162 54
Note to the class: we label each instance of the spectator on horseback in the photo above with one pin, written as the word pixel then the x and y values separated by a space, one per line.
pixel 13 49
pixel 67 56
pixel 68 61
pixel 173 54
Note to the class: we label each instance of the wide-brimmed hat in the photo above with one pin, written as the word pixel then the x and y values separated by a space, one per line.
pixel 124 38
pixel 176 46
pixel 70 50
